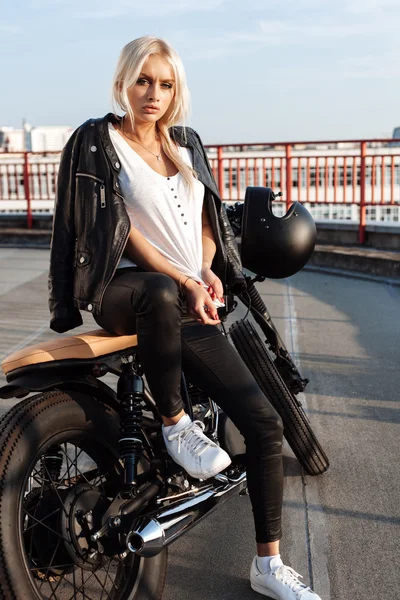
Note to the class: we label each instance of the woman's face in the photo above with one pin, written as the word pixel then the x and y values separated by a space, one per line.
pixel 156 87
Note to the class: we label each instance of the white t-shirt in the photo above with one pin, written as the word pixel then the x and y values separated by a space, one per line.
pixel 162 209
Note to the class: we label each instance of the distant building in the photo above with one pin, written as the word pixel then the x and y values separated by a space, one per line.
pixel 11 140
pixel 47 138
pixel 396 136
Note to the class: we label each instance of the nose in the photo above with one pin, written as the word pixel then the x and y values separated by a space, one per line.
pixel 154 92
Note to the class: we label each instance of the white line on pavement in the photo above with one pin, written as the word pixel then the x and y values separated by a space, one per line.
pixel 292 338
pixel 26 340
pixel 291 333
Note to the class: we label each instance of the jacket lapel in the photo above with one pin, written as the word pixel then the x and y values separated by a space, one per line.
pixel 190 142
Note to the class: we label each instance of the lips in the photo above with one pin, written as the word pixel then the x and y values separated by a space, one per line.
pixel 148 107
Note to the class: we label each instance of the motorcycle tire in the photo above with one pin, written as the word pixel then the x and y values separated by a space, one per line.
pixel 297 428
pixel 38 512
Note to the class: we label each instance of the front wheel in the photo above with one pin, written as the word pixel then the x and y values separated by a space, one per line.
pixel 297 428
pixel 59 464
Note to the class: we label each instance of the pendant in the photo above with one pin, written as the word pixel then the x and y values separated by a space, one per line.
pixel 159 158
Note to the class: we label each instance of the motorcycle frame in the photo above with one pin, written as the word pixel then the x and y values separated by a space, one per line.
pixel 138 490
pixel 83 375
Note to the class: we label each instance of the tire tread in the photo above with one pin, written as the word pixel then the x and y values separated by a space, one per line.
pixel 297 429
pixel 12 427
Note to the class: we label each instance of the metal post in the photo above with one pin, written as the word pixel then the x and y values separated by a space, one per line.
pixel 220 173
pixel 27 190
pixel 288 176
pixel 363 211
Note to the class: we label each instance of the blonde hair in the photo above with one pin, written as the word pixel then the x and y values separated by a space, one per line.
pixel 130 63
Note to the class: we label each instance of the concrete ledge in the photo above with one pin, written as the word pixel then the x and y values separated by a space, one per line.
pixel 337 232
pixel 380 235
pixel 387 228
pixel 336 226
pixel 352 275
pixel 383 228
pixel 18 237
pixel 356 259
pixel 39 221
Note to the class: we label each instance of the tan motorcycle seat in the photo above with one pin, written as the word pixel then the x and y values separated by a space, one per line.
pixel 91 344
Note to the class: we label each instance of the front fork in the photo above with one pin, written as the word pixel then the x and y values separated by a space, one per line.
pixel 284 362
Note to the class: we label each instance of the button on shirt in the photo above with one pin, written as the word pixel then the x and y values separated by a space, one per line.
pixel 162 208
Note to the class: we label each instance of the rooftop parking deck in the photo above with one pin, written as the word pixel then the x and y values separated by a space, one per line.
pixel 341 529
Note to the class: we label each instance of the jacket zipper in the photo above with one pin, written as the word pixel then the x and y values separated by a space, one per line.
pixel 102 187
pixel 80 174
pixel 75 251
pixel 102 195
pixel 116 265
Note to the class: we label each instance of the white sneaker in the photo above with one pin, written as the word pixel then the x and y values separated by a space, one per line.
pixel 280 582
pixel 194 451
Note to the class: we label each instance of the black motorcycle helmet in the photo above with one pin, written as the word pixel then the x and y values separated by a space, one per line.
pixel 271 246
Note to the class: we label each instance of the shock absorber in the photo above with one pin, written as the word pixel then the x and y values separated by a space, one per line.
pixel 51 464
pixel 130 392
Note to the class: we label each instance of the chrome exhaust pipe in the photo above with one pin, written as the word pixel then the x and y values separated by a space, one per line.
pixel 154 532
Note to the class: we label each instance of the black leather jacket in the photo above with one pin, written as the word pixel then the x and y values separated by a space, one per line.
pixel 91 225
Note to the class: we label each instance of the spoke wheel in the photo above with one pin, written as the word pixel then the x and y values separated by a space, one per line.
pixel 59 470
pixel 59 516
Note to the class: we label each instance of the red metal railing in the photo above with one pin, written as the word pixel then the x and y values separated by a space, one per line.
pixel 350 173
pixel 355 176
pixel 28 182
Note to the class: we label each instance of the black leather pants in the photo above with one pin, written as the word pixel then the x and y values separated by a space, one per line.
pixel 149 304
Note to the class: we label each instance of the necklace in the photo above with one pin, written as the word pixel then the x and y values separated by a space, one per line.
pixel 158 156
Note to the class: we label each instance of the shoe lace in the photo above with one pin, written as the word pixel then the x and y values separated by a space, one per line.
pixel 194 437
pixel 289 577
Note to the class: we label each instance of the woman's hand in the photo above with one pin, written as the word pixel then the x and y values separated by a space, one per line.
pixel 215 288
pixel 200 304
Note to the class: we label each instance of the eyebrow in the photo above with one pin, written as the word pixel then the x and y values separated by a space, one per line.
pixel 164 80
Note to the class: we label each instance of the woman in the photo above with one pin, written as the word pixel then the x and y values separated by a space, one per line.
pixel 141 240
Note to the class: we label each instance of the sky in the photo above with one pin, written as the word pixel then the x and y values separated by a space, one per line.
pixel 257 70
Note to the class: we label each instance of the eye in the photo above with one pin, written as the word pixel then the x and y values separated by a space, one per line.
pixel 167 85
pixel 141 80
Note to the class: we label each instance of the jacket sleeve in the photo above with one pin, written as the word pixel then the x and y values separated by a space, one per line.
pixel 64 315
pixel 236 278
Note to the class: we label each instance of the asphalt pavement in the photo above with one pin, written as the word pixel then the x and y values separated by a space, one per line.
pixel 341 529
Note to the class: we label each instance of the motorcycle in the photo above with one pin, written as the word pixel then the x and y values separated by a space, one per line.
pixel 90 500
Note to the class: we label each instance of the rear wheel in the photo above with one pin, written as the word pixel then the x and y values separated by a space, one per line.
pixel 59 468
pixel 297 427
